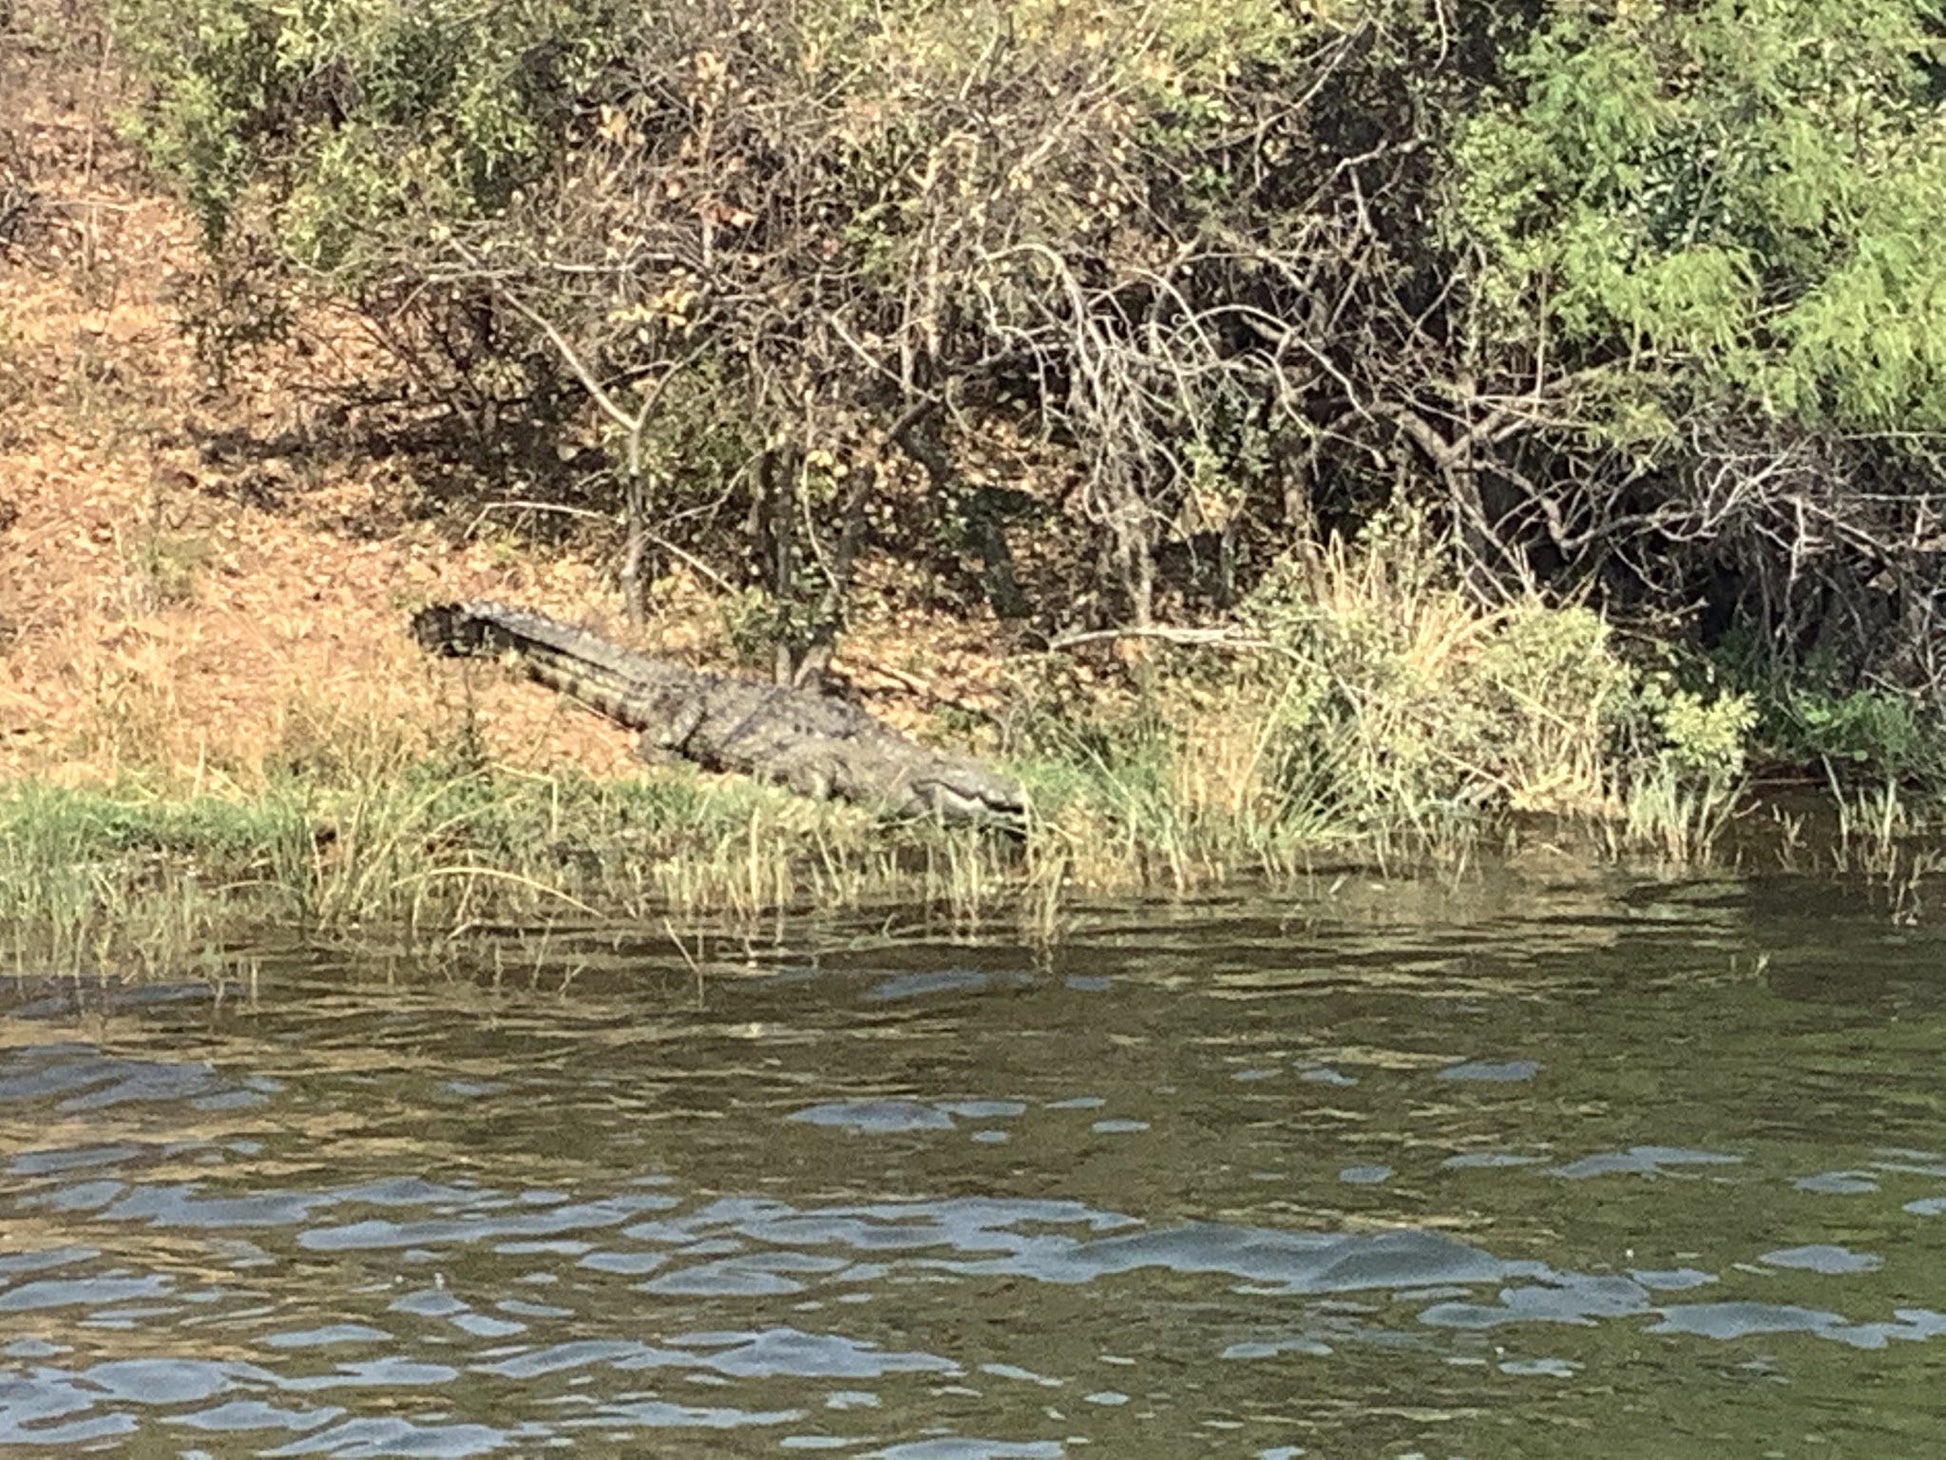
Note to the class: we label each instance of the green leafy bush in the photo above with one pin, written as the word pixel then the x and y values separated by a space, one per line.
pixel 1740 198
pixel 1867 734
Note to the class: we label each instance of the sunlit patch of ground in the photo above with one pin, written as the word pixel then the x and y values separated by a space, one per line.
pixel 180 598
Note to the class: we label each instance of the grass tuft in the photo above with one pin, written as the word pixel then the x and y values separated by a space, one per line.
pixel 1368 709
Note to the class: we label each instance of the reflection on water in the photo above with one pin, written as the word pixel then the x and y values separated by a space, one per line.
pixel 1479 1172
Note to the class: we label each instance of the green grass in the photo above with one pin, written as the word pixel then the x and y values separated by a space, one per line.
pixel 130 878
pixel 1370 712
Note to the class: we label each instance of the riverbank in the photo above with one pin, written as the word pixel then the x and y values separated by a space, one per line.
pixel 376 847
pixel 1361 711
pixel 212 720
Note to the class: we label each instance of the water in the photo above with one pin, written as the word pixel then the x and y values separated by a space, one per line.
pixel 1517 1168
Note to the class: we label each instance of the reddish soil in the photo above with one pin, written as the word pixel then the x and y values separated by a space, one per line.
pixel 183 594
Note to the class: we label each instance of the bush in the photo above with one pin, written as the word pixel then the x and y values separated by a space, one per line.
pixel 1706 242
pixel 1376 702
pixel 1639 302
pixel 886 238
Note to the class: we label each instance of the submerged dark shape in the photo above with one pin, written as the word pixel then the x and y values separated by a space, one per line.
pixel 815 745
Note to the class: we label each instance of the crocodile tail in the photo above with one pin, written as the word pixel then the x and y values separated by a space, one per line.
pixel 495 628
pixel 451 629
pixel 603 676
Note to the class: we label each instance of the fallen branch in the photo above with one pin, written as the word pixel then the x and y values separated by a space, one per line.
pixel 1199 638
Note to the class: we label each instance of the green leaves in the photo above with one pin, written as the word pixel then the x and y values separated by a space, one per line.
pixel 346 111
pixel 1741 196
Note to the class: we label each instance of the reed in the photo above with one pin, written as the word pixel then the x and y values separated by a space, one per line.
pixel 129 876
pixel 1681 823
pixel 1367 709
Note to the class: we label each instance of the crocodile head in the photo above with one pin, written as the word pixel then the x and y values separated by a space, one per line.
pixel 960 790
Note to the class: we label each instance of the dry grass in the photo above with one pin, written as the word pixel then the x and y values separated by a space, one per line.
pixel 156 619
pixel 180 591
pixel 1448 692
pixel 1376 710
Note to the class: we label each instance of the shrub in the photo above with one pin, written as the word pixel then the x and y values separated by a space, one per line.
pixel 1706 242
pixel 1376 700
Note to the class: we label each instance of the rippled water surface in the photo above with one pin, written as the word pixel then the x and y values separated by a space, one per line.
pixel 1518 1168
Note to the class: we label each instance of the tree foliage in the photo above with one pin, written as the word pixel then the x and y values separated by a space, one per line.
pixel 1639 296
pixel 1742 193
pixel 1702 230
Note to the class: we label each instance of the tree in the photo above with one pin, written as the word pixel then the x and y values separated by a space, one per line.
pixel 1705 236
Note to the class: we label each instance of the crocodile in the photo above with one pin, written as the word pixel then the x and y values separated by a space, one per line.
pixel 811 743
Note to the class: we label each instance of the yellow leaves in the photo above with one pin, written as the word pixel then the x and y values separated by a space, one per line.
pixel 712 76
pixel 674 303
pixel 820 460
pixel 673 308
pixel 613 126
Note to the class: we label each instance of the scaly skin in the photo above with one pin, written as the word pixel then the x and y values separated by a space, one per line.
pixel 815 745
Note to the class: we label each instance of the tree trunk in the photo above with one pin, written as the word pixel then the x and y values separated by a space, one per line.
pixel 782 471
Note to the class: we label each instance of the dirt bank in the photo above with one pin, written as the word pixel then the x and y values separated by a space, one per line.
pixel 195 575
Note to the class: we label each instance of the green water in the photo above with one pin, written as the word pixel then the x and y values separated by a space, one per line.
pixel 1518 1167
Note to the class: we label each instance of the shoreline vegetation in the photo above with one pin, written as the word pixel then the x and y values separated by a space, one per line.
pixel 1375 721
pixel 1371 718
pixel 1313 438
pixel 433 857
